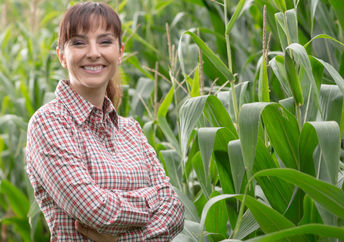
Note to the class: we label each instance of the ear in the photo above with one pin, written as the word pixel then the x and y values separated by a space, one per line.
pixel 121 54
pixel 60 55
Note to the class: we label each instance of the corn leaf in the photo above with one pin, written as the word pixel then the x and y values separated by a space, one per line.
pixel 18 201
pixel 249 118
pixel 329 196
pixel 216 61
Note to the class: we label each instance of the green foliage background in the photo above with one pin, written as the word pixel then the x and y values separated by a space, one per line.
pixel 244 107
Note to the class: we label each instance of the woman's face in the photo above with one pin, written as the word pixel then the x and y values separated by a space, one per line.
pixel 91 58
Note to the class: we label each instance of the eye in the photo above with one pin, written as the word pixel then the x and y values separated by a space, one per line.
pixel 77 42
pixel 106 42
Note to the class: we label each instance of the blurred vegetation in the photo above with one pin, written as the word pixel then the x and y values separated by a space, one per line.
pixel 242 100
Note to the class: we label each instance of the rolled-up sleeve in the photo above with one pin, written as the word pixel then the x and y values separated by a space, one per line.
pixel 168 218
pixel 54 158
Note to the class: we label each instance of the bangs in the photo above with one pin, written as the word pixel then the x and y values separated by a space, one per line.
pixel 88 16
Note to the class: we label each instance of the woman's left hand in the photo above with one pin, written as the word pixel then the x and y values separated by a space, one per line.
pixel 93 234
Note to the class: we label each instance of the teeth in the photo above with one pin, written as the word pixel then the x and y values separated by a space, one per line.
pixel 93 68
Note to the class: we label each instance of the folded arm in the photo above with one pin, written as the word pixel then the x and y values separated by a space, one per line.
pixel 168 217
pixel 55 159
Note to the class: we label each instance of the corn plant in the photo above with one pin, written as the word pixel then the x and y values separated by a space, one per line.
pixel 267 151
pixel 242 100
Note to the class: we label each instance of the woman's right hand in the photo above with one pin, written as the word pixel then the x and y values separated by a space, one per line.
pixel 93 234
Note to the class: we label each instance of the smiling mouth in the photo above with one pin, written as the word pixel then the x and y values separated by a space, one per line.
pixel 93 69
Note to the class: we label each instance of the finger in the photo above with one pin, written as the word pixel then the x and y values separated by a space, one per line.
pixel 88 232
pixel 94 234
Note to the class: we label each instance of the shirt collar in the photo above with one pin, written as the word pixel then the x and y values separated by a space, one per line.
pixel 110 109
pixel 79 107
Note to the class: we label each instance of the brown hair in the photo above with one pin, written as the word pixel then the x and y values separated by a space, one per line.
pixel 77 18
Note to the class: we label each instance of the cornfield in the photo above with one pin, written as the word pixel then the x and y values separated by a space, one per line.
pixel 241 99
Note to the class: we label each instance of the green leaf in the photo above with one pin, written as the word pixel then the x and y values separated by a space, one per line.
pixel 216 221
pixel 293 79
pixel 301 58
pixel 327 195
pixel 280 5
pixel 201 176
pixel 339 10
pixel 190 209
pixel 248 225
pixel 331 101
pixel 173 164
pixel 314 4
pixel 143 91
pixel 190 233
pixel 162 121
pixel 218 64
pixel 307 143
pixel 191 111
pixel 161 5
pixel 310 212
pixel 34 217
pixel 217 114
pixel 329 142
pixel 148 130
pixel 206 140
pixel 170 136
pixel 21 226
pixel 241 93
pixel 277 192
pixel 227 185
pixel 235 16
pixel 333 73
pixel 291 19
pixel 288 104
pixel 200 200
pixel 309 111
pixel 281 30
pixel 28 103
pixel 140 39
pixel 215 141
pixel 133 60
pixel 316 229
pixel 268 219
pixel 263 83
pixel 287 27
pixel 162 112
pixel 237 164
pixel 195 84
pixel 18 201
pixel 249 118
pixel 323 36
pixel 283 132
pixel 277 66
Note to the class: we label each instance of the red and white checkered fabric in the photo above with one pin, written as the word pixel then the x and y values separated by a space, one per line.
pixel 94 166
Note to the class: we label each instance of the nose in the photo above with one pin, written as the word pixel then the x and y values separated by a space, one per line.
pixel 93 52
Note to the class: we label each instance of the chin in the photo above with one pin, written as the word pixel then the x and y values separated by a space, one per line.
pixel 95 83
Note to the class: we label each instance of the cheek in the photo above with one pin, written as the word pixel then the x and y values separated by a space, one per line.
pixel 112 56
pixel 112 59
pixel 72 61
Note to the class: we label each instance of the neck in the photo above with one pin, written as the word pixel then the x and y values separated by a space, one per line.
pixel 93 95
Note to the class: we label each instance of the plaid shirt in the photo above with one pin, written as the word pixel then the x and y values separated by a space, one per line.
pixel 91 165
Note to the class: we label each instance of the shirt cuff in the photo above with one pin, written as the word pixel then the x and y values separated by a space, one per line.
pixel 134 236
pixel 152 201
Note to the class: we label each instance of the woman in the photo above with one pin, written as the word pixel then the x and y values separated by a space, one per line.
pixel 93 172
